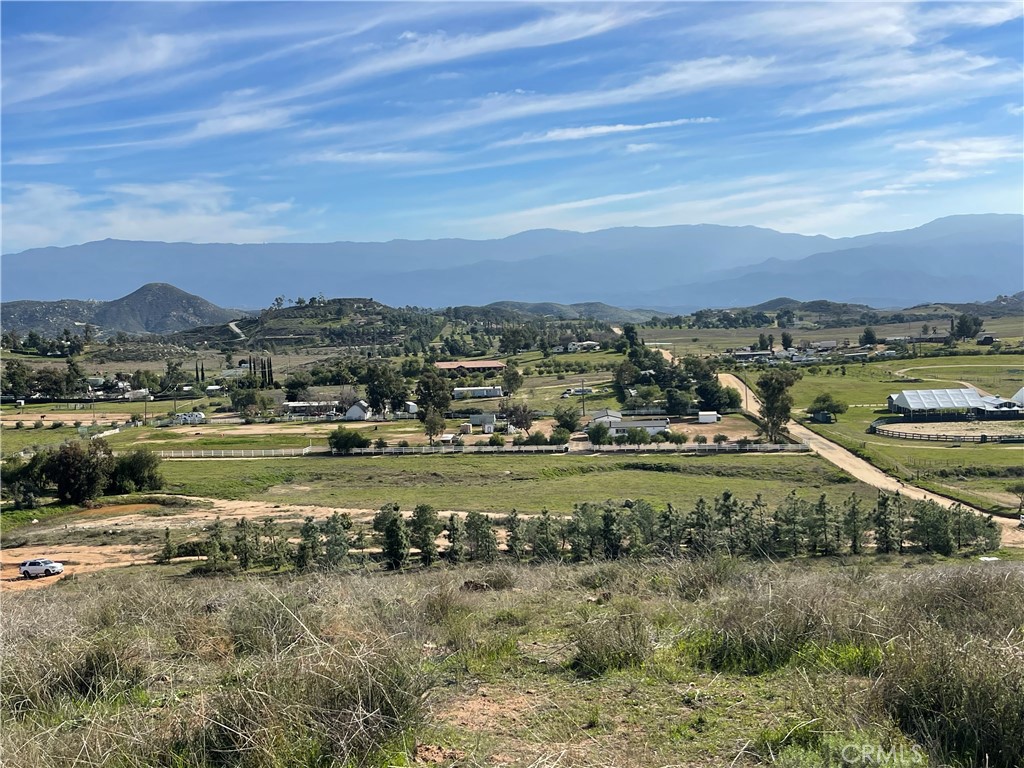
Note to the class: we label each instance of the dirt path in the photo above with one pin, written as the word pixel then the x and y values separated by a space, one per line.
pixel 860 469
pixel 233 325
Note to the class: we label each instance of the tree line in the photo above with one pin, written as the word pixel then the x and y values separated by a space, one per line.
pixel 608 531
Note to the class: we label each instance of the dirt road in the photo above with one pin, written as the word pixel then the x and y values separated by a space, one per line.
pixel 860 469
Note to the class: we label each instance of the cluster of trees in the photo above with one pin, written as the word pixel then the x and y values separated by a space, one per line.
pixel 609 530
pixel 78 472
pixel 34 343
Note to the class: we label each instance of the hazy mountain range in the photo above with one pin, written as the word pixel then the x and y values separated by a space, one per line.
pixel 678 268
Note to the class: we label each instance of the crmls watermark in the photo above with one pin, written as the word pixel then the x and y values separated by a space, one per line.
pixel 876 755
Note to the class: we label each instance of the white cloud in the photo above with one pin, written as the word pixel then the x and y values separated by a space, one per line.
pixel 371 157
pixel 591 131
pixel 36 215
pixel 692 76
pixel 632 149
pixel 36 158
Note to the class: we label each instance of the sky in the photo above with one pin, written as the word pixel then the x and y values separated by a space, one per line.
pixel 325 121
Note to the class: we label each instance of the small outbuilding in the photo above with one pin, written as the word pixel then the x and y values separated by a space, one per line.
pixel 708 417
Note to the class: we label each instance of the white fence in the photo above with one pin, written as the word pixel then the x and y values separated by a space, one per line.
pixel 239 453
pixel 706 448
pixel 587 448
pixel 426 449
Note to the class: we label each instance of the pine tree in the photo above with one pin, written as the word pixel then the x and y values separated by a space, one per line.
pixel 335 531
pixel 514 527
pixel 700 528
pixel 310 549
pixel 396 543
pixel 887 528
pixel 245 544
pixel 822 525
pixel 671 531
pixel 545 543
pixel 761 543
pixel 483 545
pixel 726 510
pixel 855 523
pixel 215 549
pixel 789 522
pixel 425 527
pixel 584 531
pixel 612 534
pixel 456 552
pixel 275 546
pixel 167 552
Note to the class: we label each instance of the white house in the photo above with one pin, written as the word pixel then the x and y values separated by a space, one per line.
pixel 214 389
pixel 708 417
pixel 360 411
pixel 607 416
pixel 652 426
pixel 462 393
pixel 583 346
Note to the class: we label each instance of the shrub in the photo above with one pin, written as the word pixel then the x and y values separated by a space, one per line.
pixel 19 424
pixel 496 440
pixel 964 702
pixel 343 440
pixel 56 424
pixel 78 424
pixel 609 643
pixel 38 424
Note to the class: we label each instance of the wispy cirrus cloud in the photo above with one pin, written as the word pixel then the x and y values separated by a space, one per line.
pixel 191 210
pixel 591 131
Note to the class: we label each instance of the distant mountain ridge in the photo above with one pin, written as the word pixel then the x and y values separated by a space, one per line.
pixel 154 308
pixel 672 269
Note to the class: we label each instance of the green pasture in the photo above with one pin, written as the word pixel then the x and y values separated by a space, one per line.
pixel 14 440
pixel 499 483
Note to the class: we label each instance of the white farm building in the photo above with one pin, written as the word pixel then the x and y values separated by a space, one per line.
pixel 954 404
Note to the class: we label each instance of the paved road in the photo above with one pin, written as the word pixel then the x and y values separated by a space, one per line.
pixel 860 469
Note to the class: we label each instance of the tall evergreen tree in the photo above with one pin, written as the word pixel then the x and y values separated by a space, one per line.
pixel 456 536
pixel 700 528
pixel 888 536
pixel 789 522
pixel 335 530
pixel 671 530
pixel 246 544
pixel 396 543
pixel 424 529
pixel 515 543
pixel 310 549
pixel 545 540
pixel 855 523
pixel 275 545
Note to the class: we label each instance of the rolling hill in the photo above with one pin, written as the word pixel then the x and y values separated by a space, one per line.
pixel 153 308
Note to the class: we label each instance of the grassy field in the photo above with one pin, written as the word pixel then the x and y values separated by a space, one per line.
pixel 685 663
pixel 499 483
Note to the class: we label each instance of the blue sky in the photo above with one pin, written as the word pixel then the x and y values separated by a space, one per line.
pixel 251 122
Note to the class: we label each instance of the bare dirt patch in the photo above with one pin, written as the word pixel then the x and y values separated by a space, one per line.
pixel 77 560
pixel 960 427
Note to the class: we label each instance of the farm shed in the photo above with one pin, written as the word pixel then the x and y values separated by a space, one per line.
pixel 708 417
